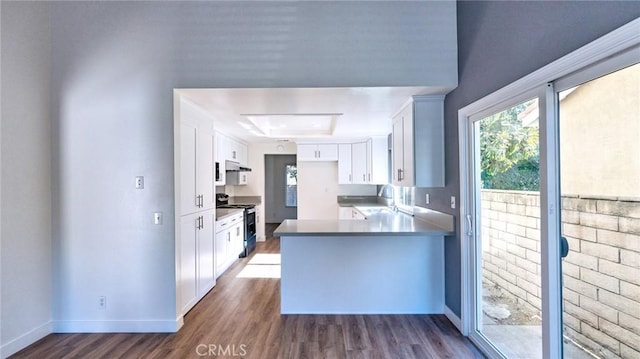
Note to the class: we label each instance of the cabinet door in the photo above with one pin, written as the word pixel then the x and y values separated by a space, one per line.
pixel 242 153
pixel 221 240
pixel 205 166
pixel 232 150
pixel 344 164
pixel 243 178
pixel 260 230
pixel 408 179
pixel 379 160
pixel 328 152
pixel 188 149
pixel 237 241
pixel 359 162
pixel 307 153
pixel 188 262
pixel 206 253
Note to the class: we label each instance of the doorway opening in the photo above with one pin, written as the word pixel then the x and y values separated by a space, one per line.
pixel 281 200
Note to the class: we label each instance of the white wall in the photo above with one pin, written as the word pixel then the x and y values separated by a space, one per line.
pixel 114 66
pixel 318 190
pixel 25 236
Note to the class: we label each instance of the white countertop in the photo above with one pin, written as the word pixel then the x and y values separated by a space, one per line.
pixel 222 213
pixel 397 224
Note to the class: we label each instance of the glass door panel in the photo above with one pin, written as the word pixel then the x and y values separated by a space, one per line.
pixel 599 127
pixel 507 240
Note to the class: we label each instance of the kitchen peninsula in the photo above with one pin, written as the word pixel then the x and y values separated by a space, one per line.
pixel 389 263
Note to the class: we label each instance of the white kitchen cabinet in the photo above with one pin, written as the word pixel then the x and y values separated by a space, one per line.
pixel 237 240
pixel 206 254
pixel 196 257
pixel 317 152
pixel 379 160
pixel 360 163
pixel 229 241
pixel 364 162
pixel 222 239
pixel 260 228
pixel 196 164
pixel 230 149
pixel 237 178
pixel 345 175
pixel 418 143
pixel 188 262
pixel 195 202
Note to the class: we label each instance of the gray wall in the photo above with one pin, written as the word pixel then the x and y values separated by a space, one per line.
pixel 25 237
pixel 114 67
pixel 275 210
pixel 498 43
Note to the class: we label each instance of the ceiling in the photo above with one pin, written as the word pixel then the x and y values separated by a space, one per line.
pixel 304 113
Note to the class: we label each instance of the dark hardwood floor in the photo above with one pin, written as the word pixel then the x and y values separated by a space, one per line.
pixel 240 317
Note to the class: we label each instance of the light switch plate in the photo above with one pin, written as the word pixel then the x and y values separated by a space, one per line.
pixel 157 218
pixel 453 201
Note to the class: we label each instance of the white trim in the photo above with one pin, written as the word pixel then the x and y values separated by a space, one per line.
pixel 453 318
pixel 117 326
pixel 616 42
pixel 551 283
pixel 15 345
pixel 463 205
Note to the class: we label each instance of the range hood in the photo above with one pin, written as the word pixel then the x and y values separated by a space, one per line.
pixel 231 166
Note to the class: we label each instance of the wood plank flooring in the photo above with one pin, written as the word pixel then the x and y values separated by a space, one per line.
pixel 241 317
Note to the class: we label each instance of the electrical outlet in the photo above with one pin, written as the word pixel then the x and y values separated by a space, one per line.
pixel 102 302
pixel 453 201
pixel 139 182
pixel 426 198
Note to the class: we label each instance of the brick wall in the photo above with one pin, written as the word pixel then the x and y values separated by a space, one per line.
pixel 601 274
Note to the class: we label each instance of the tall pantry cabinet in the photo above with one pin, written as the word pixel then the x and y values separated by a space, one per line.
pixel 195 204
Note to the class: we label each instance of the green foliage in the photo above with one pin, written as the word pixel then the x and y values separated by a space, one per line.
pixel 509 152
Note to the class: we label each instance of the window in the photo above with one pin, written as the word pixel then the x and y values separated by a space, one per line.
pixel 291 190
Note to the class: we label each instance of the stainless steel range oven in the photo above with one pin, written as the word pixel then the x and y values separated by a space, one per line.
pixel 250 235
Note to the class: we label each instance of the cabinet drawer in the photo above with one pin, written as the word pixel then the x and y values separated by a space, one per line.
pixel 229 222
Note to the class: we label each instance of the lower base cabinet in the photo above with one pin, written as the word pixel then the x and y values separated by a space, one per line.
pixel 229 242
pixel 197 272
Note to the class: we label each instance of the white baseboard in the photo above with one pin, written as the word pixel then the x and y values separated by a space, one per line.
pixel 117 326
pixel 15 345
pixel 453 318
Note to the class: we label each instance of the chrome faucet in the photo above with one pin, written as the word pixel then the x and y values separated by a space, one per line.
pixel 385 186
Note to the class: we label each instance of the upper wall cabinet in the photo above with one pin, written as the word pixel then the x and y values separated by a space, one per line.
pixel 364 162
pixel 418 143
pixel 318 152
pixel 228 149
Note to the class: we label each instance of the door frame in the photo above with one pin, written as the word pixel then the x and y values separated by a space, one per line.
pixel 584 61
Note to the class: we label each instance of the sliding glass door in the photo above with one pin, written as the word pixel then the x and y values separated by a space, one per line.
pixel 599 132
pixel 506 242
pixel 550 199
